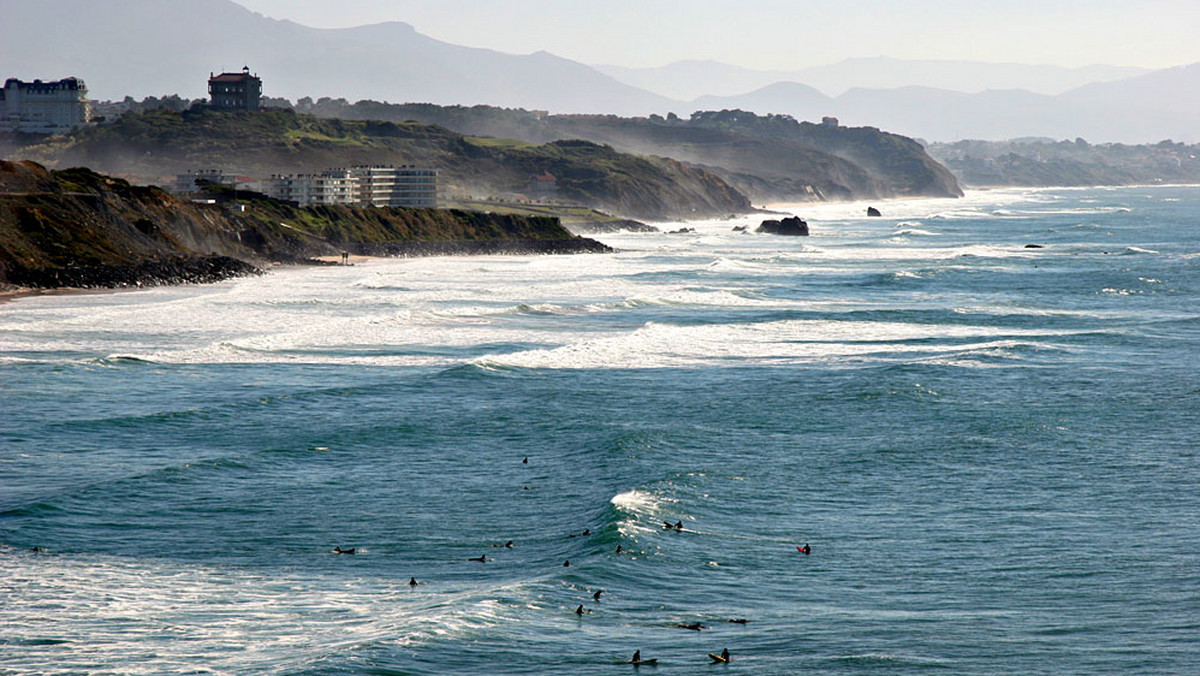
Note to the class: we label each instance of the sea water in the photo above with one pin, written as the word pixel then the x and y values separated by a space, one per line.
pixel 990 448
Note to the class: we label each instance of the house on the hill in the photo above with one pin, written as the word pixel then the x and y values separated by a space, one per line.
pixel 235 91
pixel 44 107
pixel 543 187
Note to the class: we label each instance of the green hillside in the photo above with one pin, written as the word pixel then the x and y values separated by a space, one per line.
pixel 155 145
pixel 769 158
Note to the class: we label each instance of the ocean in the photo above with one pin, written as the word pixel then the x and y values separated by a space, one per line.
pixel 980 414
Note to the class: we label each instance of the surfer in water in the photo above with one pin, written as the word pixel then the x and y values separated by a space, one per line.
pixel 581 610
pixel 806 550
pixel 723 658
pixel 637 660
pixel 339 550
pixel 481 559
pixel 412 582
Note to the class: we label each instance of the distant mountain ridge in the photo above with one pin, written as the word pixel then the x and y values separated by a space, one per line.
pixel 689 80
pixel 107 44
pixel 1143 109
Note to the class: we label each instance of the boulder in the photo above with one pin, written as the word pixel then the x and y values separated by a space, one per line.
pixel 873 212
pixel 793 226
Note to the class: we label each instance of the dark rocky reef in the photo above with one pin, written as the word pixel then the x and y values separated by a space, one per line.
pixel 793 226
pixel 872 212
pixel 161 272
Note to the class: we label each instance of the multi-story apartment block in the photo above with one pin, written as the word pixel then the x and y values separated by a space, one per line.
pixel 379 186
pixel 336 186
pixel 384 186
pixel 44 107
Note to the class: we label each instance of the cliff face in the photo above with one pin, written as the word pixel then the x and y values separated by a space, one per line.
pixel 80 228
pixel 767 157
pixel 163 143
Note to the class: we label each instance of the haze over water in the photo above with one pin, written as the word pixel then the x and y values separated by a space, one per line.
pixel 990 449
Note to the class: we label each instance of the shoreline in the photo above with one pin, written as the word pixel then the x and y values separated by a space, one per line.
pixel 358 253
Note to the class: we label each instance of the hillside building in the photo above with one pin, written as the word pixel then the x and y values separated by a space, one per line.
pixel 380 186
pixel 44 107
pixel 384 186
pixel 234 91
pixel 335 186
pixel 543 187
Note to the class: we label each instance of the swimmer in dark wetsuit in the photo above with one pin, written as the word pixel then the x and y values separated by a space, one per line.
pixel 339 550
pixel 412 582
pixel 481 559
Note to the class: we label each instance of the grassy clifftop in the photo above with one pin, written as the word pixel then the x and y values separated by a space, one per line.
pixel 768 157
pixel 161 143
pixel 80 228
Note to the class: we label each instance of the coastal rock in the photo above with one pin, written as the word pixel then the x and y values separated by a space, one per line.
pixel 78 228
pixel 792 226
pixel 873 212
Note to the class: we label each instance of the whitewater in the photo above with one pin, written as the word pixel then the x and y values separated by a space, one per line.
pixel 979 413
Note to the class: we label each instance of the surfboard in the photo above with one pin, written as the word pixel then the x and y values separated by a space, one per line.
pixel 717 658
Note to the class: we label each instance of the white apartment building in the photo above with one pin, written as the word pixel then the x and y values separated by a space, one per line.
pixel 387 186
pixel 380 186
pixel 336 186
pixel 44 107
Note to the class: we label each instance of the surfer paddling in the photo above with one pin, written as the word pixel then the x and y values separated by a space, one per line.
pixel 723 658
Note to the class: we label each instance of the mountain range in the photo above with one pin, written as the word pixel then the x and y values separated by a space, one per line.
pixel 689 80
pixel 157 47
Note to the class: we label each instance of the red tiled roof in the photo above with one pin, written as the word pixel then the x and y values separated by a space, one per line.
pixel 231 77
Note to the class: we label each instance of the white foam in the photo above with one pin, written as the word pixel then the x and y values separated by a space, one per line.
pixel 656 345
pixel 82 614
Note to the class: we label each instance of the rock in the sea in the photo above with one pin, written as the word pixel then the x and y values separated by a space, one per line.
pixel 793 225
pixel 873 212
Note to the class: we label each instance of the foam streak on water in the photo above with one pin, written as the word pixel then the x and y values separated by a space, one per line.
pixel 979 413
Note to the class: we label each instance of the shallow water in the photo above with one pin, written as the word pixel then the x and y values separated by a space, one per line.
pixel 990 449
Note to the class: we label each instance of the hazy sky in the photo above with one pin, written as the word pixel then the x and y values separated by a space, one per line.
pixel 787 34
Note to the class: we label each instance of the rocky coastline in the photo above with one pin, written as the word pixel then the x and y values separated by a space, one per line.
pixel 79 229
pixel 162 272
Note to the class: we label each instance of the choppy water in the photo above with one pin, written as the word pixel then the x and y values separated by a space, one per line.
pixel 990 448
